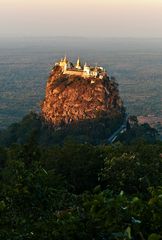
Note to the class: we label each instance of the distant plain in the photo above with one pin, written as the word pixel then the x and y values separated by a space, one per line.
pixel 25 65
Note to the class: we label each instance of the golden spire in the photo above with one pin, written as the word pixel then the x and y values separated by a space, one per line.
pixel 78 65
pixel 78 62
pixel 65 59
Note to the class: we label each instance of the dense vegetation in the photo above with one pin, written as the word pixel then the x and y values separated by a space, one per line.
pixel 136 132
pixel 80 191
pixel 92 131
pixel 95 131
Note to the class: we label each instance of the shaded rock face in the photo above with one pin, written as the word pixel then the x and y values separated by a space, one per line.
pixel 71 98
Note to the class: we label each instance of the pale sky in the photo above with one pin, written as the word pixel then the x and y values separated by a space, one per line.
pixel 92 18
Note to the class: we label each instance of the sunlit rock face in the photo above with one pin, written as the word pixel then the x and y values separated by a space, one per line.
pixel 72 98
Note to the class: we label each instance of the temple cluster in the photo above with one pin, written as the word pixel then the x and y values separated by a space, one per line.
pixel 79 70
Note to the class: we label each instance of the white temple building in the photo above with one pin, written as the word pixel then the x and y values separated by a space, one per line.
pixel 79 70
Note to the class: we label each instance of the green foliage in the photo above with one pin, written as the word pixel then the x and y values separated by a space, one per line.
pixel 94 131
pixel 21 132
pixel 154 236
pixel 78 163
pixel 3 157
pixel 136 132
pixel 112 216
pixel 80 191
pixel 133 170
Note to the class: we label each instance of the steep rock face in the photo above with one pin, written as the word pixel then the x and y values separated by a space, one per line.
pixel 71 98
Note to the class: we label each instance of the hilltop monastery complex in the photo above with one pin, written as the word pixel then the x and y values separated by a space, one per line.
pixel 79 70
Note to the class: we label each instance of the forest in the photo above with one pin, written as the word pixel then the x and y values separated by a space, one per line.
pixel 73 190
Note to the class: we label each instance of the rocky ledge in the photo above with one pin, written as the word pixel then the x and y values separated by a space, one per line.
pixel 71 98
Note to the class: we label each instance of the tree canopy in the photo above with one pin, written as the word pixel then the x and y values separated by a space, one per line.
pixel 80 191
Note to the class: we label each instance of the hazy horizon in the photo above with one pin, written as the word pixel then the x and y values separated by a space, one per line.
pixel 93 18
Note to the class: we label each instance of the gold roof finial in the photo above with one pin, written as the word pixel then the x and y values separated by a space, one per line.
pixel 65 58
pixel 78 62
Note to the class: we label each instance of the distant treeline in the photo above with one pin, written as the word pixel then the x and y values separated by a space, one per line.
pixel 95 131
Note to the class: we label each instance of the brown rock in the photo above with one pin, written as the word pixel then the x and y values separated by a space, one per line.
pixel 71 98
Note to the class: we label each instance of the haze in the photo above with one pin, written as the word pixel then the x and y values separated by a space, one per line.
pixel 91 18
